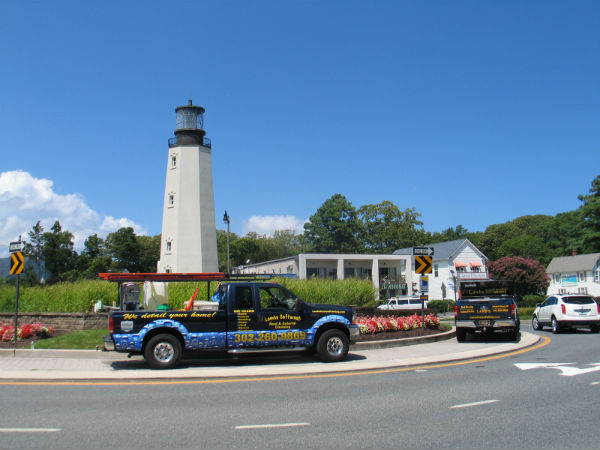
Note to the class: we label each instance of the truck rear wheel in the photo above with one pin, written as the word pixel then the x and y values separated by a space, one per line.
pixel 163 351
pixel 461 335
pixel 333 346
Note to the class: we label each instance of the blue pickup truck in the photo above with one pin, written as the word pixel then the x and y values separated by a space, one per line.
pixel 244 317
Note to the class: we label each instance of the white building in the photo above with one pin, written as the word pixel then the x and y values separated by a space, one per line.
pixel 391 274
pixel 577 274
pixel 452 261
pixel 189 236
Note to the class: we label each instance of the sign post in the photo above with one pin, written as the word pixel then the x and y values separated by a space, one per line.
pixel 17 264
pixel 423 266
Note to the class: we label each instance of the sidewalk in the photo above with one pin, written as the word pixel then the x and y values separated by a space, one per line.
pixel 96 365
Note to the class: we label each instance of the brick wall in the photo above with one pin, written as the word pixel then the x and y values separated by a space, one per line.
pixel 61 321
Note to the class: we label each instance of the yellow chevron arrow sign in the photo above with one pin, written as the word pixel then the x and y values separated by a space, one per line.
pixel 18 262
pixel 423 264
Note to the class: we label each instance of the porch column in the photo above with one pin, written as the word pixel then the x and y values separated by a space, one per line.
pixel 375 276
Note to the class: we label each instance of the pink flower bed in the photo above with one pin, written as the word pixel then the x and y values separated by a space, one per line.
pixel 381 324
pixel 25 331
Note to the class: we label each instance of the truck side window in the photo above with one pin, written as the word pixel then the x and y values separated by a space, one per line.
pixel 276 298
pixel 243 297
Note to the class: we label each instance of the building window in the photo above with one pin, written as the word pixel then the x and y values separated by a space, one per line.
pixel 581 276
pixel 169 247
pixel 171 200
pixel 435 270
pixel 173 161
pixel 562 291
pixel 557 277
pixel 597 276
pixel 582 290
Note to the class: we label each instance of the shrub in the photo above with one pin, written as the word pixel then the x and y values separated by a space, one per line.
pixel 349 292
pixel 530 300
pixel 441 306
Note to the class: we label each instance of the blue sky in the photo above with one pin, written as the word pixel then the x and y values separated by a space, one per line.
pixel 471 112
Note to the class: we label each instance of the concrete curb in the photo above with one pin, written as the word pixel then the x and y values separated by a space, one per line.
pixel 114 356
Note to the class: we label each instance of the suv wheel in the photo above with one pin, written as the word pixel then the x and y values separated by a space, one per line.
pixel 536 324
pixel 555 326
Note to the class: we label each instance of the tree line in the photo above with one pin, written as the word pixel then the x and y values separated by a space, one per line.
pixel 336 227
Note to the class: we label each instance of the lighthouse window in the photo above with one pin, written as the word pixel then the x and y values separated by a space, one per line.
pixel 173 161
pixel 171 200
pixel 169 246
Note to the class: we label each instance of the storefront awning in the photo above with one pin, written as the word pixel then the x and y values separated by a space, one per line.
pixel 460 264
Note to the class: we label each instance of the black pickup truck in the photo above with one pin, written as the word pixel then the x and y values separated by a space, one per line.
pixel 488 306
pixel 245 316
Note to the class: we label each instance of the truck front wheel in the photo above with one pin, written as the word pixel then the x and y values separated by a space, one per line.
pixel 163 351
pixel 333 346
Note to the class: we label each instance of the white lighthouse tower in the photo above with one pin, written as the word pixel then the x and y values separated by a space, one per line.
pixel 189 236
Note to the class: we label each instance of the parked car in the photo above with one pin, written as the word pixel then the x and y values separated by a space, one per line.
pixel 567 311
pixel 402 303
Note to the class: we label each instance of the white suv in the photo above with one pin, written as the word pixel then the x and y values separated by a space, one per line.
pixel 567 311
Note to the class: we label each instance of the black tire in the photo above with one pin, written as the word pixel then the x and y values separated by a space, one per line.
pixel 333 346
pixel 461 335
pixel 536 324
pixel 595 328
pixel 513 335
pixel 555 326
pixel 163 351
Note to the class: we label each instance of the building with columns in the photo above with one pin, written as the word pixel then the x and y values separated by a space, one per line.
pixel 189 236
pixel 390 274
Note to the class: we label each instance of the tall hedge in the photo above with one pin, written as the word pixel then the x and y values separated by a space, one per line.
pixel 80 296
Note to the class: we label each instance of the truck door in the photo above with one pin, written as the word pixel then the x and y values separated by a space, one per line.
pixel 241 331
pixel 280 321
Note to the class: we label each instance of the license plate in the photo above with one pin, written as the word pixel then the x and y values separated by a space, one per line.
pixel 484 322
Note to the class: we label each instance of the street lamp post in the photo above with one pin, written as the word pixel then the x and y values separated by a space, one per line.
pixel 226 220
pixel 454 283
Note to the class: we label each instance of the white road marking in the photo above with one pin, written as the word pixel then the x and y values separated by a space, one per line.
pixel 566 369
pixel 468 405
pixel 29 430
pixel 272 425
pixel 595 383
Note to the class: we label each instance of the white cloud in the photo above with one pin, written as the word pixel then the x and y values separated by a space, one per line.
pixel 267 225
pixel 25 199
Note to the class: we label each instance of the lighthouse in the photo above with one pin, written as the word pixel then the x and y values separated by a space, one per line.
pixel 189 236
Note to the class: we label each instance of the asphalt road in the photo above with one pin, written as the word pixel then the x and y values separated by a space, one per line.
pixel 521 401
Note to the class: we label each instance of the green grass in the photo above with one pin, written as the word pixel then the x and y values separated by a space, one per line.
pixel 78 340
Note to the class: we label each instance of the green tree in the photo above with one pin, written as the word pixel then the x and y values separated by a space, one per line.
pixel 590 211
pixel 149 252
pixel 245 250
pixel 58 253
pixel 528 275
pixel 334 228
pixel 531 247
pixel 124 249
pixel 34 249
pixel 384 228
pixel 94 257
